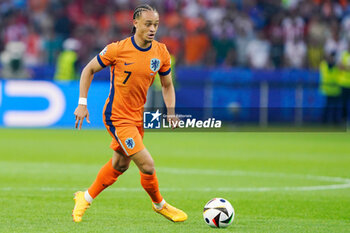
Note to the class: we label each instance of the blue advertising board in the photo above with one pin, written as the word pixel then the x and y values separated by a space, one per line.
pixel 232 95
pixel 48 104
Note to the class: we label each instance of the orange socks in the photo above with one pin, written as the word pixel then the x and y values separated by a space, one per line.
pixel 108 175
pixel 150 184
pixel 105 177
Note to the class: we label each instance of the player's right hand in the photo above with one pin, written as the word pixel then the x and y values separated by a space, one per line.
pixel 173 121
pixel 80 113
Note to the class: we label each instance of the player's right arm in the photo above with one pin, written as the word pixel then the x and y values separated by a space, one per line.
pixel 87 75
pixel 105 58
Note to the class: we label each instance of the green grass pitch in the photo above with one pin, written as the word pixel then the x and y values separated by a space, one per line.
pixel 276 182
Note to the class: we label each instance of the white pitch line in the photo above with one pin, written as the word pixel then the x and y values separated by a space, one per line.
pixel 251 173
pixel 345 182
pixel 219 189
pixel 191 171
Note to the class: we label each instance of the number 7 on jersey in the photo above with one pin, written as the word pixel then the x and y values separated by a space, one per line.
pixel 127 77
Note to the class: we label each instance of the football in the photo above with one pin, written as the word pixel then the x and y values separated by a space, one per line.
pixel 218 213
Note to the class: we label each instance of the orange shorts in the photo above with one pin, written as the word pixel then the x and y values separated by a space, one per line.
pixel 127 138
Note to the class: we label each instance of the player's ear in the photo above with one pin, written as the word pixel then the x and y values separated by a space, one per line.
pixel 135 21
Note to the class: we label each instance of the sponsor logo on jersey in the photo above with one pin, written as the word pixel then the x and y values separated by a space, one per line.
pixel 155 64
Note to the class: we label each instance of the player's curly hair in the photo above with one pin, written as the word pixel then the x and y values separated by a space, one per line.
pixel 137 12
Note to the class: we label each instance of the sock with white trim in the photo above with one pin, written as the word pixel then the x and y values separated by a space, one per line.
pixel 87 196
pixel 160 205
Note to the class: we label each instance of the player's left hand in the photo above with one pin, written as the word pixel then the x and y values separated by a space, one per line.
pixel 173 121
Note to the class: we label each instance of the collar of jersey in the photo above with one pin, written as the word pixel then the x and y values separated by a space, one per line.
pixel 139 48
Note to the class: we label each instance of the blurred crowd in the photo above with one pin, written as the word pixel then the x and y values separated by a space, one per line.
pixel 262 34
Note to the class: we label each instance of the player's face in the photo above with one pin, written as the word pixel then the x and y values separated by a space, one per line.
pixel 147 25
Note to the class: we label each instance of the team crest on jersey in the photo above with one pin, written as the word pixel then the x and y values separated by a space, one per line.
pixel 155 64
pixel 103 52
pixel 130 143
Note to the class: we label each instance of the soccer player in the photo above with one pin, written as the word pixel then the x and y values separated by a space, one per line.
pixel 134 63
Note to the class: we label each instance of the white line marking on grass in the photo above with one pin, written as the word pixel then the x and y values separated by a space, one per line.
pixel 250 173
pixel 222 189
pixel 344 182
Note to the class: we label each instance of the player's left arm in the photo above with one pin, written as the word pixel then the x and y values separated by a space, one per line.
pixel 169 98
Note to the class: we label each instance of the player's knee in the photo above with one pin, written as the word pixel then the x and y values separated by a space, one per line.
pixel 120 162
pixel 121 167
pixel 147 168
pixel 144 161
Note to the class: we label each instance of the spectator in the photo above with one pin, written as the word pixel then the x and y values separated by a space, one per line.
pixel 62 24
pixel 345 27
pixel 331 9
pixel 290 4
pixel 51 46
pixel 173 39
pixel 34 46
pixel 40 16
pixel 275 33
pixel 215 15
pixel 230 59
pixel 344 82
pixel 67 63
pixel 335 43
pixel 197 43
pixel 16 29
pixel 330 88
pixel 316 37
pixel 242 41
pixel 223 42
pixel 244 24
pixel 295 53
pixel 223 47
pixel 244 29
pixel 258 51
pixel 293 26
pixel 12 61
pixel 192 9
pixel 231 24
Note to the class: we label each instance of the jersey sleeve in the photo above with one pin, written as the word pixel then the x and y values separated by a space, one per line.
pixel 108 55
pixel 166 67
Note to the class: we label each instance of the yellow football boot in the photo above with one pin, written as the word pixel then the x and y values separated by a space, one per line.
pixel 171 213
pixel 80 206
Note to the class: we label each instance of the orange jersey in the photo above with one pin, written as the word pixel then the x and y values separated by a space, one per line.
pixel 133 70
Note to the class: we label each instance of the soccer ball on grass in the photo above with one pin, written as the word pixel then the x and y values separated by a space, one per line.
pixel 218 213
